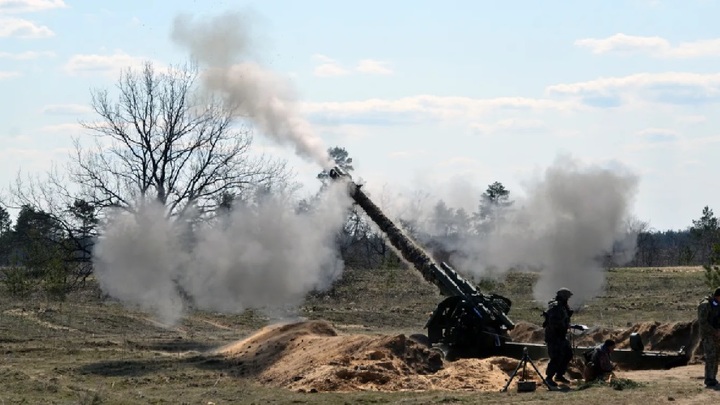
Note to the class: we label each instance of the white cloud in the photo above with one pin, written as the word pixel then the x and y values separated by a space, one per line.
pixel 653 46
pixel 330 70
pixel 691 119
pixel 29 6
pixel 101 64
pixel 658 135
pixel 374 67
pixel 512 124
pixel 30 160
pixel 21 28
pixel 27 55
pixel 323 58
pixel 667 139
pixel 66 109
pixel 328 67
pixel 408 154
pixel 666 88
pixel 8 74
pixel 422 107
pixel 72 128
pixel 636 80
pixel 623 43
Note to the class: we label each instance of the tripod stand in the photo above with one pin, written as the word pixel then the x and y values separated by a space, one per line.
pixel 523 362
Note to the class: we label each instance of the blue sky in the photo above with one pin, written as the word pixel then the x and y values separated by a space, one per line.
pixel 447 96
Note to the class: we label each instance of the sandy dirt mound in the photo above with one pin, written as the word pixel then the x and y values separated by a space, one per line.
pixel 312 356
pixel 655 335
pixel 309 356
pixel 527 332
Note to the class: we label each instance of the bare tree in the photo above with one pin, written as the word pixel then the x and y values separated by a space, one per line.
pixel 158 138
pixel 164 140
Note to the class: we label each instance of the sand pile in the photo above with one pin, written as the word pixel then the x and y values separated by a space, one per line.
pixel 527 332
pixel 309 356
pixel 312 356
pixel 655 335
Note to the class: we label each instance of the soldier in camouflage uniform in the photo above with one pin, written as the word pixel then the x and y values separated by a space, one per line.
pixel 557 322
pixel 709 323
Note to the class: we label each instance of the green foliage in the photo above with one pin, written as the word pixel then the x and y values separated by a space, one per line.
pixel 493 203
pixel 488 285
pixel 5 221
pixel 16 281
pixel 618 384
pixel 46 254
pixel 706 233
pixel 712 276
pixel 56 280
pixel 342 159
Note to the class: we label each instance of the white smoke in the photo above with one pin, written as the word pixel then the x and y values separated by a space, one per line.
pixel 571 217
pixel 561 224
pixel 138 259
pixel 266 256
pixel 222 46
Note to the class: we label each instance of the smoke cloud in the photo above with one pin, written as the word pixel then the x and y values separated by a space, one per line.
pixel 222 46
pixel 571 217
pixel 263 256
pixel 138 260
pixel 562 224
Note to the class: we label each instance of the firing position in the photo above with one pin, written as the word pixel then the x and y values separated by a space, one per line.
pixel 709 323
pixel 557 322
pixel 600 365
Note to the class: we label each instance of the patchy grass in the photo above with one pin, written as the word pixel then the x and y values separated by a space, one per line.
pixel 90 351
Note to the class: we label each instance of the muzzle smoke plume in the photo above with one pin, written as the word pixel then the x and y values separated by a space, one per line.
pixel 571 217
pixel 221 46
pixel 266 256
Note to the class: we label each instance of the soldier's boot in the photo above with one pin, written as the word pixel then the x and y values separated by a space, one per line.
pixel 562 379
pixel 550 382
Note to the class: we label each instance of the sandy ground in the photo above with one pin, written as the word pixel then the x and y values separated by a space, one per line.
pixel 313 356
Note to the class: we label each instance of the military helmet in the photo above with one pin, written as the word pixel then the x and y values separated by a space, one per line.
pixel 564 293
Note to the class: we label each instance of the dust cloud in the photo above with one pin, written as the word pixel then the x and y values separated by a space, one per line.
pixel 222 46
pixel 264 256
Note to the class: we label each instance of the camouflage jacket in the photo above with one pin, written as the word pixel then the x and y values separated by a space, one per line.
pixel 557 321
pixel 708 316
pixel 601 360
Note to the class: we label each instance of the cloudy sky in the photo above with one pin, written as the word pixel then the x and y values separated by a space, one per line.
pixel 447 96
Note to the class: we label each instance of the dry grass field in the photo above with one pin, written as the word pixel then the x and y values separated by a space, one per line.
pixel 92 351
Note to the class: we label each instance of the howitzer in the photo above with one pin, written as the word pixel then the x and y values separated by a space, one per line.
pixel 467 323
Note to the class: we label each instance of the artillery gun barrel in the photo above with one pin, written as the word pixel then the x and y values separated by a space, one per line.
pixel 407 248
pixel 444 277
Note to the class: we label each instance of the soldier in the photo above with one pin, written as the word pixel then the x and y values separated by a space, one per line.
pixel 600 364
pixel 557 322
pixel 709 322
